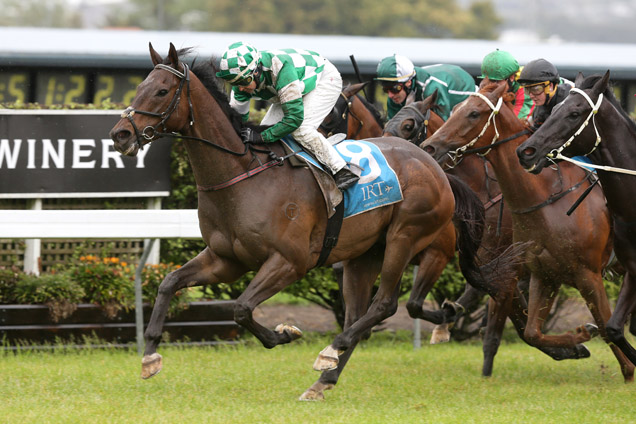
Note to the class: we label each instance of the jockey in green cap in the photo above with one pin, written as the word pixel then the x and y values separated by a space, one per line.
pixel 302 86
pixel 399 77
pixel 500 65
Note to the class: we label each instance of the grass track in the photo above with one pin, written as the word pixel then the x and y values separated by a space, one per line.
pixel 386 381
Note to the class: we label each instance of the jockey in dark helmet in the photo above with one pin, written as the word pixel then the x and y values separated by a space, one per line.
pixel 542 82
pixel 500 65
pixel 399 77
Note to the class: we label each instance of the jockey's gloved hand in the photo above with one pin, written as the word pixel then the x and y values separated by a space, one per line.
pixel 250 135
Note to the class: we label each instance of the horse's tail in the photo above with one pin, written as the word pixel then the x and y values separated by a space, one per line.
pixel 469 220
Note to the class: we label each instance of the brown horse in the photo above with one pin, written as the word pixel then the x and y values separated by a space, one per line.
pixel 417 121
pixel 353 115
pixel 274 221
pixel 611 143
pixel 565 249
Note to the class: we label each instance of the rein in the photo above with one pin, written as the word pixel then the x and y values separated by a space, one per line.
pixel 556 153
pixel 151 132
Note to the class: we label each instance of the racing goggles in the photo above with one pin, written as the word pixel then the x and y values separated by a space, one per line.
pixel 537 88
pixel 392 88
pixel 244 82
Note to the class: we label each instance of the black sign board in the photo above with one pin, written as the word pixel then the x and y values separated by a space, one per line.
pixel 48 153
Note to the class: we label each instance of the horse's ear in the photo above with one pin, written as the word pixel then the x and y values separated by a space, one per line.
pixel 350 90
pixel 579 79
pixel 602 84
pixel 427 103
pixel 154 56
pixel 410 98
pixel 173 55
pixel 500 90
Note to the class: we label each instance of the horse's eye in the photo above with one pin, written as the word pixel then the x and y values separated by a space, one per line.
pixel 474 114
pixel 162 92
pixel 574 115
pixel 408 127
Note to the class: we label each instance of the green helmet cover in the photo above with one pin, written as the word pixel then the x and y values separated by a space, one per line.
pixel 396 68
pixel 238 61
pixel 498 65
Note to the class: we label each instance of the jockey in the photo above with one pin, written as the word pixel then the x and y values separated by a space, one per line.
pixel 399 77
pixel 302 86
pixel 541 81
pixel 500 65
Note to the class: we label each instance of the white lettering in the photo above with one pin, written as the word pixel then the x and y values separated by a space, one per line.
pixel 109 153
pixel 10 156
pixel 79 153
pixel 48 151
pixel 141 155
pixel 31 153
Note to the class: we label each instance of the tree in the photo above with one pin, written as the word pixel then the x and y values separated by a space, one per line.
pixel 36 13
pixel 407 18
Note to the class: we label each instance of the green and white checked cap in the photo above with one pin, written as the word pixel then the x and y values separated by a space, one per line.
pixel 238 61
pixel 396 68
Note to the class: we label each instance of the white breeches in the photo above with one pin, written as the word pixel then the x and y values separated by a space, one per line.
pixel 317 105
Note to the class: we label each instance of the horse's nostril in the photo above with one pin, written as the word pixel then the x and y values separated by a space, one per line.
pixel 529 151
pixel 429 149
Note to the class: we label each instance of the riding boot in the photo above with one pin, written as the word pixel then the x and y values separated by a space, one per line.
pixel 345 179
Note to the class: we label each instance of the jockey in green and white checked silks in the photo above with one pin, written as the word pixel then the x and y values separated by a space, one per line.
pixel 302 86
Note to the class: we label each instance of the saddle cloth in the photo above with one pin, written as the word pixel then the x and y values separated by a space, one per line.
pixel 378 185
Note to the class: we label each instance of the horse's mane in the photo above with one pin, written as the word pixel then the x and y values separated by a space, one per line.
pixel 589 82
pixel 374 111
pixel 206 72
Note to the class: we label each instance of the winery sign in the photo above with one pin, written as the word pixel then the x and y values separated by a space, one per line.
pixel 45 153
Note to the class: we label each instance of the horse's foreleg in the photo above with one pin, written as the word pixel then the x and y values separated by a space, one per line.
pixel 625 305
pixel 204 269
pixel 540 302
pixel 359 276
pixel 273 276
pixel 595 296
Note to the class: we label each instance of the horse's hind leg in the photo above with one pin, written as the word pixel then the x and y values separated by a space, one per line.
pixel 204 269
pixel 625 304
pixel 498 312
pixel 359 276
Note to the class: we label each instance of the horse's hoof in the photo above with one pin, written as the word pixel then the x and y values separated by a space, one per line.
pixel 592 329
pixel 582 351
pixel 151 365
pixel 312 395
pixel 327 359
pixel 291 330
pixel 440 334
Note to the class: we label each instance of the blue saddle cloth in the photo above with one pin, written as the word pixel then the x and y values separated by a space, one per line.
pixel 378 184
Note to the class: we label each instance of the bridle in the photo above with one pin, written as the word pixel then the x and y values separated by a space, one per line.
pixel 151 132
pixel 556 153
pixel 420 121
pixel 456 155
pixel 339 119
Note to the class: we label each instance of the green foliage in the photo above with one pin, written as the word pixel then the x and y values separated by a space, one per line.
pixel 36 13
pixel 10 277
pixel 47 288
pixel 409 18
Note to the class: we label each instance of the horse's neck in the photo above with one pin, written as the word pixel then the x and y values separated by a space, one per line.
pixel 210 165
pixel 616 149
pixel 520 188
pixel 369 125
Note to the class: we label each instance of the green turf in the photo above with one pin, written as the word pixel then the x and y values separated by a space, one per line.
pixel 386 381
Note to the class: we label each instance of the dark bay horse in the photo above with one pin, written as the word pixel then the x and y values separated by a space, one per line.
pixel 274 221
pixel 417 121
pixel 609 140
pixel 353 115
pixel 565 249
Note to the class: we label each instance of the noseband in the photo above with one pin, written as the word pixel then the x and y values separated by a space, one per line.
pixel 150 132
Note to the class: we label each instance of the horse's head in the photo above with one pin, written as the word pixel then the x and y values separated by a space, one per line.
pixel 470 126
pixel 566 130
pixel 337 120
pixel 416 121
pixel 156 107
